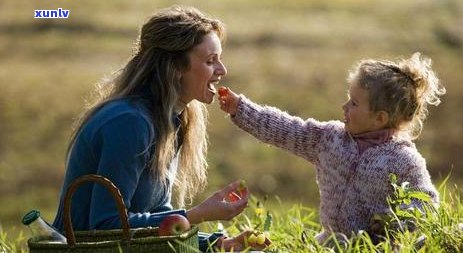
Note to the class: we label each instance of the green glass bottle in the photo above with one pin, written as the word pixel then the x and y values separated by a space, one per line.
pixel 41 230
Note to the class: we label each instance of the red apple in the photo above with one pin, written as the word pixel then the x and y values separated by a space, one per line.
pixel 173 224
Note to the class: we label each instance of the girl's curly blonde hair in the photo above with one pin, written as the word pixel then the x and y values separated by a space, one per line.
pixel 403 90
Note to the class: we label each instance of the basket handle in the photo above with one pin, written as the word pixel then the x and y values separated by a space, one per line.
pixel 71 239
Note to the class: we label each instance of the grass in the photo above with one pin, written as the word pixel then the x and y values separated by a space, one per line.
pixel 9 244
pixel 293 229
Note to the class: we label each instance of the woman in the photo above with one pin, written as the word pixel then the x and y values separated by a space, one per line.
pixel 147 131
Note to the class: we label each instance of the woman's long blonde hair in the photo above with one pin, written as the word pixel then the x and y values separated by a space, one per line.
pixel 154 73
pixel 403 89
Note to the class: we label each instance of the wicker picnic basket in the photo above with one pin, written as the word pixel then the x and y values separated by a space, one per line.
pixel 138 240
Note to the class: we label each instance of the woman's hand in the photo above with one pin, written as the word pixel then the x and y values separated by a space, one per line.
pixel 241 242
pixel 228 100
pixel 218 206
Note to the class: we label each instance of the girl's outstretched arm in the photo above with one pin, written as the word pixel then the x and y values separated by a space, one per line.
pixel 273 126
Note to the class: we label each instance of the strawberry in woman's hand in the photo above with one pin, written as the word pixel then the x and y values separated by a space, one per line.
pixel 239 193
pixel 233 196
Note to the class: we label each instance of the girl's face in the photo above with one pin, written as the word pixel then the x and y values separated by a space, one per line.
pixel 357 115
pixel 205 71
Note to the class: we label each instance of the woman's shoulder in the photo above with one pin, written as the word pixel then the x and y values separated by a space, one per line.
pixel 124 106
pixel 120 106
pixel 120 110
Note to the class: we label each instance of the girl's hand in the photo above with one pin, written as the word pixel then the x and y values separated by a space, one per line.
pixel 241 242
pixel 218 206
pixel 228 100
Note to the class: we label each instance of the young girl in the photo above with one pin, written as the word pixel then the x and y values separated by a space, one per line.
pixel 386 107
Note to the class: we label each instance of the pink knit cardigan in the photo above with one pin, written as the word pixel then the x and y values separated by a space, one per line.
pixel 352 186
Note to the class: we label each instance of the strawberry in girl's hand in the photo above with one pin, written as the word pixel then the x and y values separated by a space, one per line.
pixel 228 100
pixel 223 91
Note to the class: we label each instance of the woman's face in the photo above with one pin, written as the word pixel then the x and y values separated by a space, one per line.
pixel 206 69
pixel 357 115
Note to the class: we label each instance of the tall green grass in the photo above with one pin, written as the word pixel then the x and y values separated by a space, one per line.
pixel 438 229
pixel 294 227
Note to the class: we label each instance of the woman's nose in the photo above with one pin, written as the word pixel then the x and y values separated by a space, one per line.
pixel 221 69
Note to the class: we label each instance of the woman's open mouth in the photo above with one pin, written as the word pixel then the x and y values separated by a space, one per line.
pixel 211 86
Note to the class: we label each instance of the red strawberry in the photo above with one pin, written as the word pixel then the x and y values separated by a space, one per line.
pixel 233 197
pixel 223 91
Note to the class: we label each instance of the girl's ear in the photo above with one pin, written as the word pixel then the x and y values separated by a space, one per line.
pixel 382 118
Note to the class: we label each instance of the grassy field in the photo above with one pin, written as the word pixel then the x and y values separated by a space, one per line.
pixel 293 54
pixel 293 228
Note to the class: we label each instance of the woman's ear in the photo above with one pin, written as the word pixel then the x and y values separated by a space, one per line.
pixel 382 119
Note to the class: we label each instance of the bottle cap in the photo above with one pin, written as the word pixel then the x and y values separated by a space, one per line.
pixel 31 216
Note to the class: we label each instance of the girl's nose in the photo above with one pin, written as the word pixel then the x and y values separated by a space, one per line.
pixel 344 107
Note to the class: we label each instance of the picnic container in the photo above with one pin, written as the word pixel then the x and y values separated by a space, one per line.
pixel 126 240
